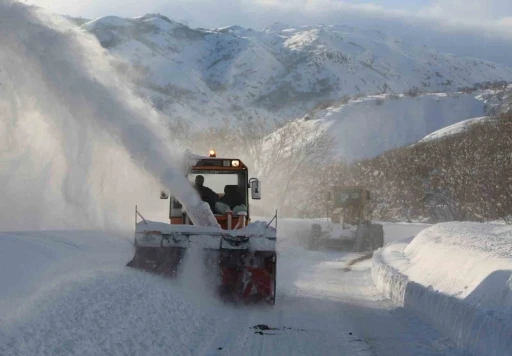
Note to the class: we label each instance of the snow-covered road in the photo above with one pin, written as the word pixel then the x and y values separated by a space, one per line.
pixel 68 293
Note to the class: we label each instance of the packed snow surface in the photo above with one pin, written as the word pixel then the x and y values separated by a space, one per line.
pixel 458 276
pixel 69 293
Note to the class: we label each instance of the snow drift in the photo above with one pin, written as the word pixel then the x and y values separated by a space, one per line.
pixel 458 276
pixel 70 294
pixel 33 263
pixel 77 147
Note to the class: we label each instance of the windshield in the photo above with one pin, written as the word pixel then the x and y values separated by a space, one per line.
pixel 219 181
pixel 216 181
pixel 347 197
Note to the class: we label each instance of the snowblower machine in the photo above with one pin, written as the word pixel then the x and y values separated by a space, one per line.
pixel 350 225
pixel 239 256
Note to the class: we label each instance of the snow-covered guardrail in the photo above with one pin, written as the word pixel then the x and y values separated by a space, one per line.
pixel 458 277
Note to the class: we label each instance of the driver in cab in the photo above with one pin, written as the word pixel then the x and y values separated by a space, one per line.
pixel 206 193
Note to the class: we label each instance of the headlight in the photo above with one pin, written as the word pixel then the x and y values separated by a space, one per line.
pixel 235 163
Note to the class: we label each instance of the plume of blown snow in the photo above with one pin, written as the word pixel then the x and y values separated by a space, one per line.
pixel 77 147
pixel 197 281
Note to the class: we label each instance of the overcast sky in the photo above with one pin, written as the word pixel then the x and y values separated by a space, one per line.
pixel 465 27
pixel 251 12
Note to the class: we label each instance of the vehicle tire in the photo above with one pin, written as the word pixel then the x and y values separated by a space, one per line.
pixel 314 238
pixel 362 242
pixel 275 280
pixel 376 236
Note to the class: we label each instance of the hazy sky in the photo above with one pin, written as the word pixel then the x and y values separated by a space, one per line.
pixel 254 13
pixel 464 27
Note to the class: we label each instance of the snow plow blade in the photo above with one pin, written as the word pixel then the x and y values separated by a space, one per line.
pixel 242 262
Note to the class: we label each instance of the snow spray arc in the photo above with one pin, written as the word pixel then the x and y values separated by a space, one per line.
pixel 78 148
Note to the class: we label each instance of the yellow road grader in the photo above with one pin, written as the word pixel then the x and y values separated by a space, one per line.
pixel 350 225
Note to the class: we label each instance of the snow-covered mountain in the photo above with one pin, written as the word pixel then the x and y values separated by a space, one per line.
pixel 280 72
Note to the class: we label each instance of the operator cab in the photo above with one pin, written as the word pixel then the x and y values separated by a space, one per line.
pixel 224 184
pixel 349 204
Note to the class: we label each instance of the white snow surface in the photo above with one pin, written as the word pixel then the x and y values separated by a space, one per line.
pixel 458 277
pixel 69 293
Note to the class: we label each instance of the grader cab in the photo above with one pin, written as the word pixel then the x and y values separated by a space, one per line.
pixel 349 225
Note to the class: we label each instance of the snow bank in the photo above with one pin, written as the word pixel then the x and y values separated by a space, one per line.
pixel 110 313
pixel 69 293
pixel 31 262
pixel 458 276
pixel 401 230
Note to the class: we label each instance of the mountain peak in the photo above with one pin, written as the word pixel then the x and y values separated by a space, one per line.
pixel 234 30
pixel 105 22
pixel 155 16
pixel 277 27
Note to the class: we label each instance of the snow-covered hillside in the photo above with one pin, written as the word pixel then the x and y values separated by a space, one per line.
pixel 235 72
pixel 453 129
pixel 495 102
pixel 366 127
